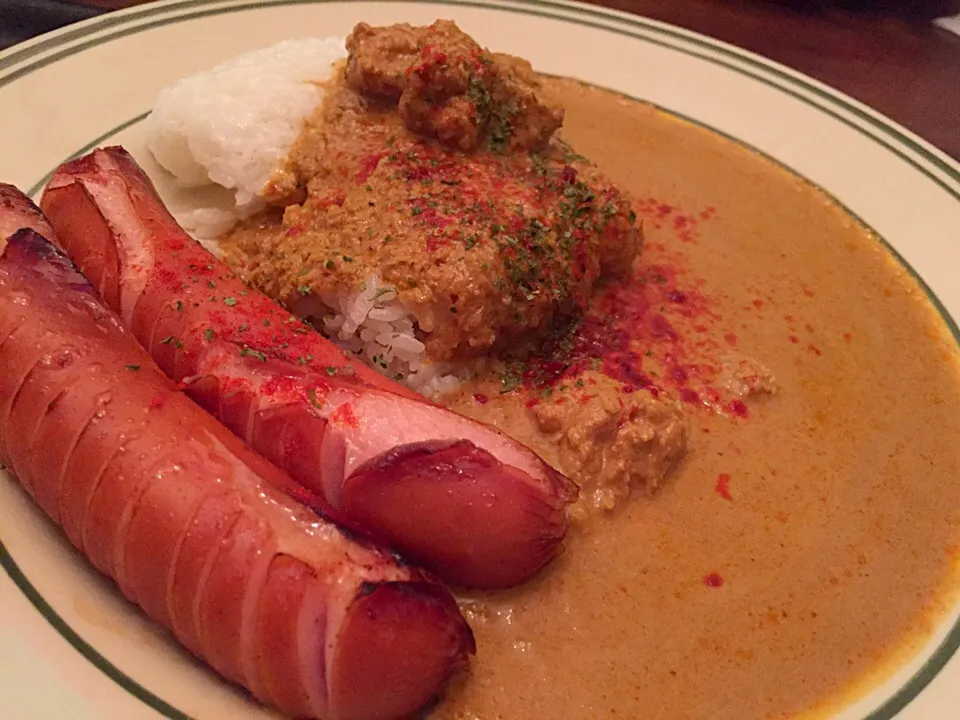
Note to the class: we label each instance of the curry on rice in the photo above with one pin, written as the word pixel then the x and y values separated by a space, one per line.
pixel 482 247
pixel 447 183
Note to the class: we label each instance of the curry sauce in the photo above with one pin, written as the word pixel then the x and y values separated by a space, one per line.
pixel 796 548
pixel 761 527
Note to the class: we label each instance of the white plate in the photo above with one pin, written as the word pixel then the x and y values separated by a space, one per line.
pixel 69 646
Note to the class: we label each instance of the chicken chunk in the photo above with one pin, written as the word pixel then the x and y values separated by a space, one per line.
pixel 612 440
pixel 450 88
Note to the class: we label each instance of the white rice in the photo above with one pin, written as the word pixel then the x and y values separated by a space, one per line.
pixel 373 325
pixel 207 224
pixel 232 126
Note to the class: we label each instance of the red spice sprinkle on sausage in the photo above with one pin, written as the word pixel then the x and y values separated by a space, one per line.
pixel 713 580
pixel 723 486
pixel 794 339
pixel 480 399
pixel 758 303
pixel 344 415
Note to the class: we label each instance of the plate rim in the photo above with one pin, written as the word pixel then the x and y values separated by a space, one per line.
pixel 12 60
pixel 22 59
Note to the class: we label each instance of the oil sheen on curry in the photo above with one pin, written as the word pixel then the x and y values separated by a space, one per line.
pixel 729 365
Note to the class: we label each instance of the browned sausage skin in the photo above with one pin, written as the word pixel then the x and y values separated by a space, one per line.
pixel 191 524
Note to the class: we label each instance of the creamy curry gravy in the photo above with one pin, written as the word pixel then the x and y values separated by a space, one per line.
pixel 837 545
pixel 806 537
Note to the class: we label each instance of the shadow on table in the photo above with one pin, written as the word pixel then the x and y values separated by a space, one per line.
pixel 23 19
pixel 916 9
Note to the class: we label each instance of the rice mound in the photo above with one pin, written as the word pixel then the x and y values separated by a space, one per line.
pixel 372 325
pixel 233 124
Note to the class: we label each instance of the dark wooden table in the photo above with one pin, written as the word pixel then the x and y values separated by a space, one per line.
pixel 886 53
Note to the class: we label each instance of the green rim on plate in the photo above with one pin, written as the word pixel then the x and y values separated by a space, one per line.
pixel 20 61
